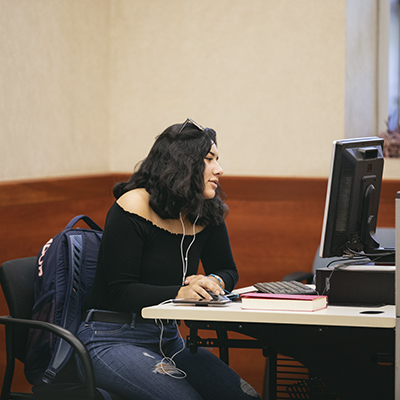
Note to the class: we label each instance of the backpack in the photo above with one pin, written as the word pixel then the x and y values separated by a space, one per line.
pixel 66 265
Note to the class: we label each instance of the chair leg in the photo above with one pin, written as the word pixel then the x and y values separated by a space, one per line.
pixel 10 365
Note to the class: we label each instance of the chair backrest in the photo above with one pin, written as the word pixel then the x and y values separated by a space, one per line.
pixel 17 282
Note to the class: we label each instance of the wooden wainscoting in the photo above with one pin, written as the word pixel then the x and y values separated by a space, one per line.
pixel 274 226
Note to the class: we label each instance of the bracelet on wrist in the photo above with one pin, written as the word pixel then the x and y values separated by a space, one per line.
pixel 218 279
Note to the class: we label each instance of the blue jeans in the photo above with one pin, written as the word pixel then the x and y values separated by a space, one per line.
pixel 127 360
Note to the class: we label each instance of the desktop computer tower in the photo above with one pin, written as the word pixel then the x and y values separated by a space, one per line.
pixel 366 285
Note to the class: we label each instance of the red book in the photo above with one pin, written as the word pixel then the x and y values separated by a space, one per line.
pixel 288 302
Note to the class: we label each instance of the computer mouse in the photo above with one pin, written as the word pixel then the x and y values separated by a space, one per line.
pixel 219 297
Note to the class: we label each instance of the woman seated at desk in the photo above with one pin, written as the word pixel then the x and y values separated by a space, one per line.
pixel 166 218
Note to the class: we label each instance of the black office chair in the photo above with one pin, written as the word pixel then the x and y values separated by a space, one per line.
pixel 17 282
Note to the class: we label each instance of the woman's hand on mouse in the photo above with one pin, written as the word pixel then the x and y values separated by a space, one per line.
pixel 196 286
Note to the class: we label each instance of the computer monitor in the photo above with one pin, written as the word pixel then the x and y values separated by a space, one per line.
pixel 352 201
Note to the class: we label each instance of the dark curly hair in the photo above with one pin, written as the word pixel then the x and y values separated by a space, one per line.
pixel 173 175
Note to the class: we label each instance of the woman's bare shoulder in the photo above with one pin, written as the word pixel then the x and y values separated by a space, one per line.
pixel 136 201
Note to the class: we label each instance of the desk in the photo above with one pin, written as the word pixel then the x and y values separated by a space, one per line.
pixel 344 346
pixel 232 312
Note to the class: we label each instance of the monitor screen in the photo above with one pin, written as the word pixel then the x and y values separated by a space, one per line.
pixel 352 200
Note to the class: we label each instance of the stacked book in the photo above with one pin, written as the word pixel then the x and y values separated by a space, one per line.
pixel 285 302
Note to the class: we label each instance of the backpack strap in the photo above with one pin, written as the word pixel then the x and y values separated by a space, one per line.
pixel 89 222
pixel 72 313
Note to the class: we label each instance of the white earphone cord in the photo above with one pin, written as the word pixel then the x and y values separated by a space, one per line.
pixel 177 373
pixel 171 369
pixel 185 259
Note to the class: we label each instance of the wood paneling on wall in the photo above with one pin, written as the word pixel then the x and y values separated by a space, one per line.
pixel 33 211
pixel 274 226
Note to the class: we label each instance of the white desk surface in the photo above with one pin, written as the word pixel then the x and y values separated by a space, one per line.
pixel 232 312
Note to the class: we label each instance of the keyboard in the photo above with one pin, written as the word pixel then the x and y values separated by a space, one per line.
pixel 284 287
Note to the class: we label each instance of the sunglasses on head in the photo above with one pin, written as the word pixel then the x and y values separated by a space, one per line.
pixel 190 121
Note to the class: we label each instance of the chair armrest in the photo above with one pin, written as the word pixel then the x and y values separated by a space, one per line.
pixel 66 335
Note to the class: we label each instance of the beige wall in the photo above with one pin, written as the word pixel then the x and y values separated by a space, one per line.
pixel 54 87
pixel 86 85
pixel 269 76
